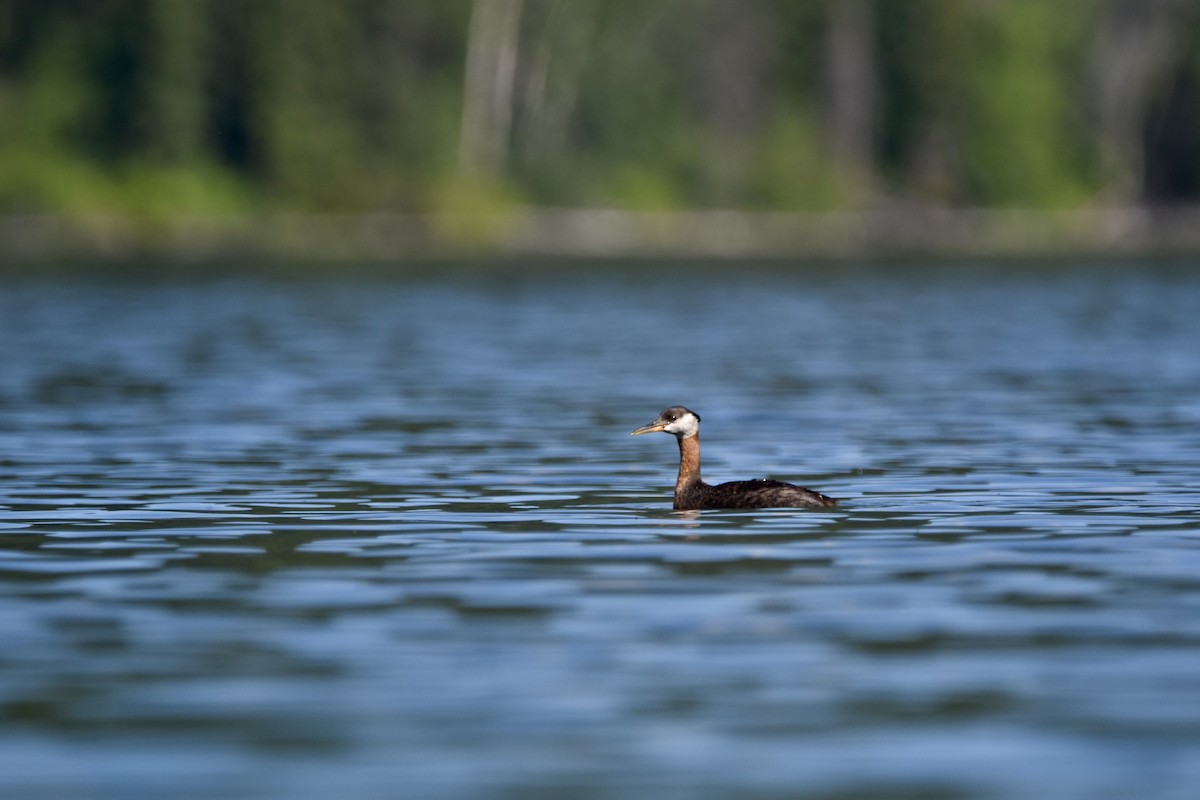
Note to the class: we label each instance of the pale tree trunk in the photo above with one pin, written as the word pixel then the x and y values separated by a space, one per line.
pixel 731 89
pixel 549 81
pixel 852 91
pixel 489 84
pixel 1136 52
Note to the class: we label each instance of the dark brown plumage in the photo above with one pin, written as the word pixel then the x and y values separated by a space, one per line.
pixel 693 493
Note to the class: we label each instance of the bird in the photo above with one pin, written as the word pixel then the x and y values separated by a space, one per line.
pixel 693 493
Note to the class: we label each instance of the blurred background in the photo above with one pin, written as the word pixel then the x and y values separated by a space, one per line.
pixel 324 324
pixel 388 128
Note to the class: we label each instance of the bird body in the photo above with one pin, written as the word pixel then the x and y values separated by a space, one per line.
pixel 691 492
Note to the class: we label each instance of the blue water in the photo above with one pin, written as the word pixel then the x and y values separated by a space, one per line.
pixel 373 538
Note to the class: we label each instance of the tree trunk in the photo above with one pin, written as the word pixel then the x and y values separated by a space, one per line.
pixel 852 91
pixel 493 41
pixel 1136 52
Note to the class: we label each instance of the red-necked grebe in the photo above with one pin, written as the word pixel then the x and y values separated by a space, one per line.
pixel 693 493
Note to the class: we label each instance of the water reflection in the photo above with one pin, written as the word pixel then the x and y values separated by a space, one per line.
pixel 298 539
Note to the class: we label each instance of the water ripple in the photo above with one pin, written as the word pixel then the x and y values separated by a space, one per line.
pixel 313 539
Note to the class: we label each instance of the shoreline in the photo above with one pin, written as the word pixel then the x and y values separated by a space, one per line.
pixel 603 234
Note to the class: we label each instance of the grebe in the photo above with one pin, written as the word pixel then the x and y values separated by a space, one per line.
pixel 692 493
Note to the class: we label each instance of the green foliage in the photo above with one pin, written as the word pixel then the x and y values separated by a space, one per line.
pixel 1023 130
pixel 791 170
pixel 173 108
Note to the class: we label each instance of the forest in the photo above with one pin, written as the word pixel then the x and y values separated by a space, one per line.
pixel 155 111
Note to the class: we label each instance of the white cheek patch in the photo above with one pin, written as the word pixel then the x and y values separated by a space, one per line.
pixel 684 425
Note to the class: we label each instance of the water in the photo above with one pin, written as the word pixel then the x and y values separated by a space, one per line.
pixel 376 539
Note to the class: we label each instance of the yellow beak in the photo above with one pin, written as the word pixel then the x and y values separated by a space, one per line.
pixel 653 427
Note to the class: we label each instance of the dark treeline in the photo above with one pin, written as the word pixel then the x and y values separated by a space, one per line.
pixel 177 107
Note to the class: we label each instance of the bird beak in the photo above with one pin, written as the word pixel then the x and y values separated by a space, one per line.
pixel 653 427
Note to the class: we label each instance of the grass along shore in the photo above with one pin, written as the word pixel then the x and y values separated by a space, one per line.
pixel 576 233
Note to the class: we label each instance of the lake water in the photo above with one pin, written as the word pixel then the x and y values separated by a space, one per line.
pixel 391 538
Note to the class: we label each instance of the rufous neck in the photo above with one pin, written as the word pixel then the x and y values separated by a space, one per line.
pixel 689 462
